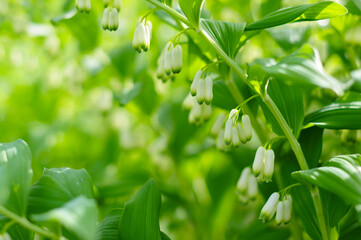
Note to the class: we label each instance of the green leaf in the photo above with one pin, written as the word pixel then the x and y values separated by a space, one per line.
pixel 164 236
pixel 4 184
pixel 334 207
pixel 58 186
pixel 108 228
pixel 311 144
pixel 79 216
pixel 306 12
pixel 15 159
pixel 290 103
pixel 125 97
pixel 345 114
pixel 192 9
pixel 221 96
pixel 340 175
pixel 140 219
pixel 225 34
pixel 304 68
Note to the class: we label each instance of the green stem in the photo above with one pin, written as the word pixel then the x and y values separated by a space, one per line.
pixel 25 223
pixel 324 227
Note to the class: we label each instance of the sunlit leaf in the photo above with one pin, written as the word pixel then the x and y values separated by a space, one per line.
pixel 227 35
pixel 344 114
pixel 140 219
pixel 304 68
pixel 79 216
pixel 58 186
pixel 306 12
pixel 192 10
pixel 340 175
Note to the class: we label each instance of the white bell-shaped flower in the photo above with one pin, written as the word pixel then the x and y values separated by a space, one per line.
pixel 252 189
pixel 148 33
pixel 241 133
pixel 242 184
pixel 287 208
pixel 117 4
pixel 268 167
pixel 105 18
pixel 218 124
pixel 116 20
pixel 270 207
pixel 209 90
pixel 233 114
pixel 111 19
pixel 194 84
pixel 228 132
pixel 235 138
pixel 259 161
pixel 177 59
pixel 87 6
pixel 80 5
pixel 280 212
pixel 168 59
pixel 201 91
pixel 247 126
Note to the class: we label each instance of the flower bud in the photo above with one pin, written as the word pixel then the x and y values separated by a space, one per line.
pixel 117 4
pixel 201 91
pixel 247 126
pixel 280 213
pixel 259 161
pixel 269 209
pixel 235 138
pixel 252 190
pixel 244 199
pixel 188 102
pixel 241 133
pixel 194 84
pixel 116 20
pixel 209 90
pixel 287 209
pixel 242 183
pixel 105 19
pixel 268 167
pixel 168 59
pixel 136 40
pixel 111 22
pixel 177 61
pixel 87 6
pixel 148 30
pixel 218 124
pixel 195 114
pixel 233 114
pixel 220 141
pixel 80 5
pixel 228 131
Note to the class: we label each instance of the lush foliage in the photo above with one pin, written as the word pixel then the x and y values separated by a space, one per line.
pixel 228 119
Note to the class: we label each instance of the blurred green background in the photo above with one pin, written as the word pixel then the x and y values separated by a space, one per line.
pixel 82 97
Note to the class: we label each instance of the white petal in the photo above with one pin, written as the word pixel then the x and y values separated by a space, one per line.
pixel 201 91
pixel 209 90
pixel 247 126
pixel 228 131
pixel 280 212
pixel 235 138
pixel 259 161
pixel 268 168
pixel 270 207
pixel 242 183
pixel 195 82
pixel 252 187
pixel 177 61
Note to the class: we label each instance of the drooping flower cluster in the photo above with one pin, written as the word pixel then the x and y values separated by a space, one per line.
pixel 110 15
pixel 282 209
pixel 247 187
pixel 263 164
pixel 170 62
pixel 142 36
pixel 83 5
pixel 202 88
pixel 234 132
pixel 199 113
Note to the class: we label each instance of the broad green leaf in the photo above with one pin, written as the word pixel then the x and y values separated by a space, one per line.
pixel 192 9
pixel 15 159
pixel 290 103
pixel 344 114
pixel 303 206
pixel 334 207
pixel 340 175
pixel 311 143
pixel 4 184
pixel 140 219
pixel 221 96
pixel 225 34
pixel 108 228
pixel 58 186
pixel 304 68
pixel 290 38
pixel 306 12
pixel 79 216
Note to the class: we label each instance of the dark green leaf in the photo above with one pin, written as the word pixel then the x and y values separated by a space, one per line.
pixel 306 12
pixel 79 216
pixel 58 186
pixel 311 143
pixel 108 228
pixel 340 175
pixel 4 184
pixel 140 219
pixel 335 208
pixel 304 68
pixel 290 103
pixel 227 35
pixel 164 236
pixel 344 114
pixel 15 158
pixel 192 10
pixel 221 96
